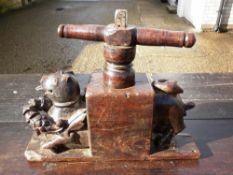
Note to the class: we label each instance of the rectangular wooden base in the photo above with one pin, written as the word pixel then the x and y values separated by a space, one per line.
pixel 183 148
pixel 35 152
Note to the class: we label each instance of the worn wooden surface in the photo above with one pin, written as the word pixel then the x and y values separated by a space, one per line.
pixel 210 123
pixel 183 147
pixel 120 121
pixel 34 152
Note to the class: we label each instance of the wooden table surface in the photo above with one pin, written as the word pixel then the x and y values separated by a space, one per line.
pixel 210 123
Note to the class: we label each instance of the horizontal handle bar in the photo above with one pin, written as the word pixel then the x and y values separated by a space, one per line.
pixel 156 37
pixel 144 36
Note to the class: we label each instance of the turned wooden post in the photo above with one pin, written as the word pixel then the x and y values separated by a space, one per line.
pixel 120 45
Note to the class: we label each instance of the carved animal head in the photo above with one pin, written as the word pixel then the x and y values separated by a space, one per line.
pixel 60 86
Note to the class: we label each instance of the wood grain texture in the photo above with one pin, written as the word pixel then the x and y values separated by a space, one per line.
pixel 214 136
pixel 16 90
pixel 215 101
pixel 214 139
pixel 130 35
pixel 157 37
pixel 84 32
pixel 212 93
pixel 119 54
pixel 120 120
pixel 183 147
pixel 34 152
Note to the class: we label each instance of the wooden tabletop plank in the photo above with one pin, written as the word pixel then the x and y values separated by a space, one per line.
pixel 16 90
pixel 197 86
pixel 198 79
pixel 212 93
pixel 210 110
pixel 214 139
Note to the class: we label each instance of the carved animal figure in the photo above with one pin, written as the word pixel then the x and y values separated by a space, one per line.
pixel 169 112
pixel 59 111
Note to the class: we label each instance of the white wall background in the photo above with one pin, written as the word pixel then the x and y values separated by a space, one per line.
pixel 203 13
pixel 192 10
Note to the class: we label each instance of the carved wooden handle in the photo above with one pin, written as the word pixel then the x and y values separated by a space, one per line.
pixel 84 32
pixel 144 36
pixel 156 37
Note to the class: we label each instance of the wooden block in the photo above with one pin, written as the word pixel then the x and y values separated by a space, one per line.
pixel 35 152
pixel 120 120
pixel 182 147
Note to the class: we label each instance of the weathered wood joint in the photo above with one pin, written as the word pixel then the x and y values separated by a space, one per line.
pixel 128 117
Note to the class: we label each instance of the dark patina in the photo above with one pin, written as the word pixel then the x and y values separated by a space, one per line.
pixel 128 117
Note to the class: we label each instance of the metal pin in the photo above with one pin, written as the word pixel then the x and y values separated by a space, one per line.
pixel 121 16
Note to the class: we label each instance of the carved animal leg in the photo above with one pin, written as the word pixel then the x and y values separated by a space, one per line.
pixel 60 140
pixel 65 139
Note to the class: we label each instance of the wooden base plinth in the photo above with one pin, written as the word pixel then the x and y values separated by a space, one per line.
pixel 35 152
pixel 183 148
